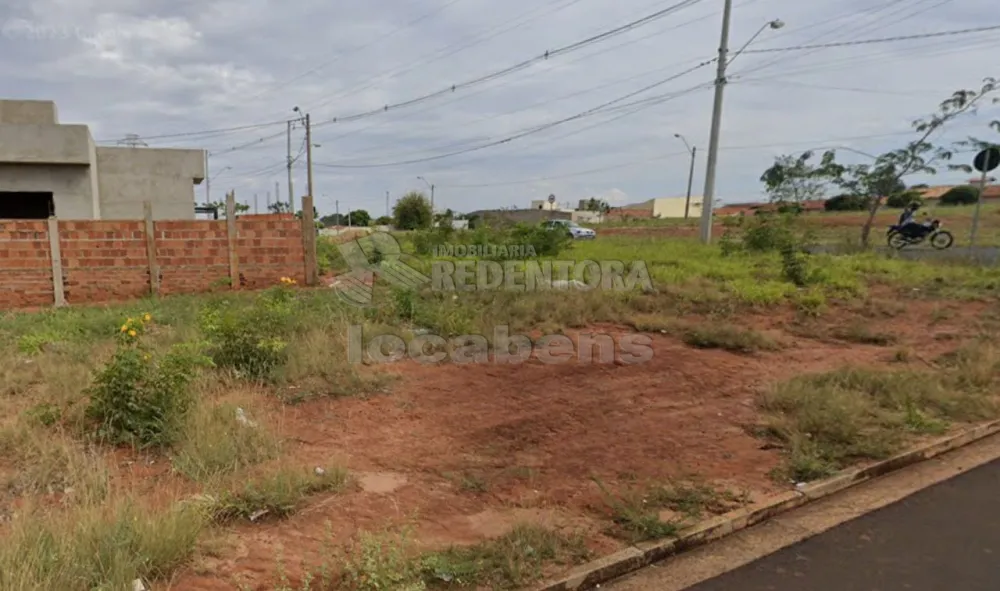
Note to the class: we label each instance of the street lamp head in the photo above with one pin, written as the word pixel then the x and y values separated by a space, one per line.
pixel 296 109
pixel 677 135
pixel 776 24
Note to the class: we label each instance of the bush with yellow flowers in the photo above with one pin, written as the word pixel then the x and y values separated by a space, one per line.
pixel 140 397
pixel 250 340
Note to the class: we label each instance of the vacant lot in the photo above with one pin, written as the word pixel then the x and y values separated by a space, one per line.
pixel 229 442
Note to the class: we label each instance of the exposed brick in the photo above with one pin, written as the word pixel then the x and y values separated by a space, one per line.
pixel 105 261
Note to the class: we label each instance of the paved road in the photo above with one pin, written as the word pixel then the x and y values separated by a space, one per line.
pixel 944 538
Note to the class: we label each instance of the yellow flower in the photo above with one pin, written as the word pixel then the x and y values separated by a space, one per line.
pixel 128 321
pixel 124 327
pixel 147 317
pixel 146 357
pixel 131 333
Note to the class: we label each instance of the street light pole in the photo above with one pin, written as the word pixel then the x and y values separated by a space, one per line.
pixel 713 139
pixel 687 200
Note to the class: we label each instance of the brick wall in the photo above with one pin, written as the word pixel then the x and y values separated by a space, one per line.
pixel 108 260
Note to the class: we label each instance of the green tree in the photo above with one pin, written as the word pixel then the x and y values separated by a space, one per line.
pixel 383 221
pixel 220 206
pixel 882 177
pixel 279 207
pixel 961 195
pixel 598 205
pixel 360 217
pixel 846 203
pixel 792 180
pixel 412 212
pixel 904 198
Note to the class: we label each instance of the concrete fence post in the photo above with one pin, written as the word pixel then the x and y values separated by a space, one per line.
pixel 154 268
pixel 58 289
pixel 234 259
pixel 309 240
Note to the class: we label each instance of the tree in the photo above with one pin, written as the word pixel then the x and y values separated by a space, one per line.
pixel 383 221
pixel 792 180
pixel 846 203
pixel 298 214
pixel 904 198
pixel 444 219
pixel 961 195
pixel 279 207
pixel 412 212
pixel 598 205
pixel 880 178
pixel 359 217
pixel 220 206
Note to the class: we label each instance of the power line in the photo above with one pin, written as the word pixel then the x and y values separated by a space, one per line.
pixel 857 30
pixel 604 107
pixel 518 66
pixel 221 130
pixel 572 61
pixel 879 40
pixel 376 40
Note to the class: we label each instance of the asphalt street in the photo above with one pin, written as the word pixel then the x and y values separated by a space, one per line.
pixel 943 538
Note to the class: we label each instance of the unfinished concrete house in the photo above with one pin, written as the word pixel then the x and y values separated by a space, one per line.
pixel 48 168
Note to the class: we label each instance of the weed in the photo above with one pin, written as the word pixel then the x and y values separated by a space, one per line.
pixel 43 414
pixel 277 495
pixel 728 337
pixel 53 464
pixel 862 333
pixel 508 562
pixel 97 547
pixel 251 340
pixel 139 398
pixel 381 563
pixel 827 420
pixel 634 518
pixel 217 443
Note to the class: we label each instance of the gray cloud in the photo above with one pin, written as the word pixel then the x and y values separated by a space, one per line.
pixel 152 68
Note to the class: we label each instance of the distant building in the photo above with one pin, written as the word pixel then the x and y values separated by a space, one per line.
pixel 662 207
pixel 48 168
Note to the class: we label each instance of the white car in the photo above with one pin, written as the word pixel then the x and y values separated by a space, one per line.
pixel 576 231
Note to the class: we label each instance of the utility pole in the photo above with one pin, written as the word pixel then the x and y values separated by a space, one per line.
pixel 277 192
pixel 713 139
pixel 255 208
pixel 336 205
pixel 309 156
pixel 291 190
pixel 687 200
pixel 387 204
pixel 208 181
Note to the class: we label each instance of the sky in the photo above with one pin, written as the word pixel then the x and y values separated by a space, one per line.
pixel 186 69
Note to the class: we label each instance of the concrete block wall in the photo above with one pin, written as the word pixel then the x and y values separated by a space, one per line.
pixel 104 261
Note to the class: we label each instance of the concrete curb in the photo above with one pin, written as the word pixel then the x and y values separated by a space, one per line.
pixel 633 558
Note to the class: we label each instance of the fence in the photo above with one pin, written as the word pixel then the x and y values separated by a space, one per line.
pixel 56 262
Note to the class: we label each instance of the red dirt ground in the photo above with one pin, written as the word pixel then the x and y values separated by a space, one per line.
pixel 533 436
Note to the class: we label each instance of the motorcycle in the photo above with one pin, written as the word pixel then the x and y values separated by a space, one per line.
pixel 899 238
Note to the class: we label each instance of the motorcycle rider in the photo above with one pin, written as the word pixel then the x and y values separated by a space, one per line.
pixel 908 219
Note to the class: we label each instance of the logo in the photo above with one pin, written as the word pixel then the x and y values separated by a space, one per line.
pixel 375 255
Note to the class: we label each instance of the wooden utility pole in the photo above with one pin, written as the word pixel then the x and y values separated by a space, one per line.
pixel 291 190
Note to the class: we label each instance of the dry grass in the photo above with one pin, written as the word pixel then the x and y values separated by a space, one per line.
pixel 728 337
pixel 829 420
pixel 97 546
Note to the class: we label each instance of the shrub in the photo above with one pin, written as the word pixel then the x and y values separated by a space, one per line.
pixel 542 241
pixel 901 200
pixel 248 340
pixel 138 399
pixel 846 203
pixel 768 232
pixel 412 212
pixel 961 195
